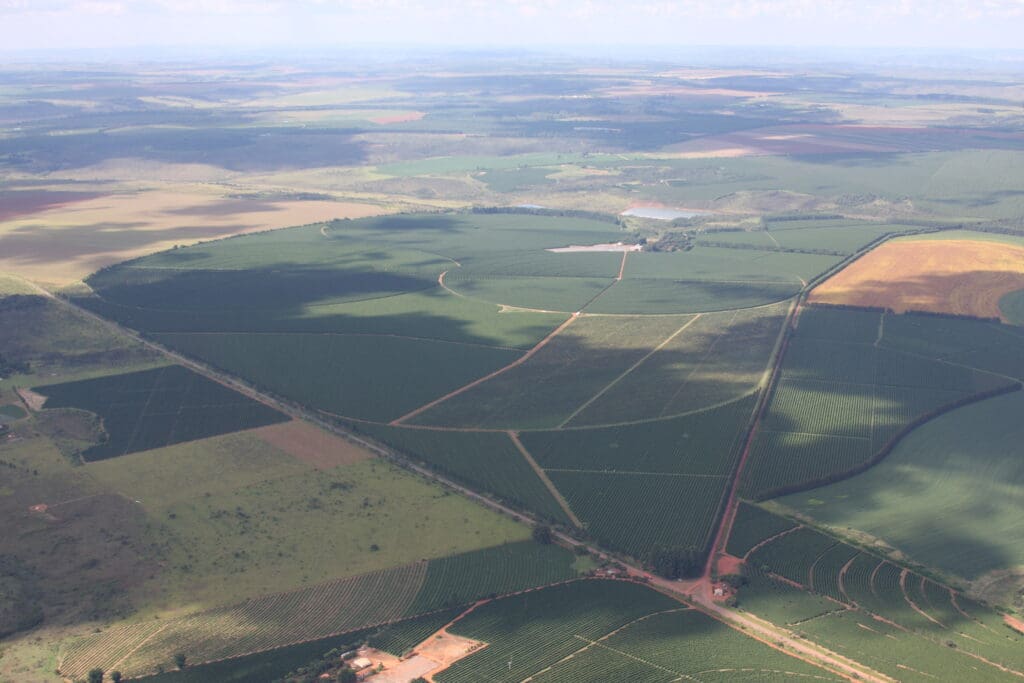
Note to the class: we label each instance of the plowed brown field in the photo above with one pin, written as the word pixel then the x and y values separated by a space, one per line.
pixel 964 277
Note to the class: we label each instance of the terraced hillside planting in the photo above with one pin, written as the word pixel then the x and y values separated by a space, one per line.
pixel 154 408
pixel 862 605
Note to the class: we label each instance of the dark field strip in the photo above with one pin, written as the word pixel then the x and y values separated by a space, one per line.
pixel 635 513
pixel 364 377
pixel 155 408
pixel 752 526
pixel 461 579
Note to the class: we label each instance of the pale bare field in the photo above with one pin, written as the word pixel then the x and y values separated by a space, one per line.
pixel 60 246
pixel 312 445
pixel 963 277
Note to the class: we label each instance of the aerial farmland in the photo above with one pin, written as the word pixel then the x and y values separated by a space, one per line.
pixel 471 369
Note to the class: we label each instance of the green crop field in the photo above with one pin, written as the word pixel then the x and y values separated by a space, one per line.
pixel 150 409
pixel 753 525
pixel 573 288
pixel 487 461
pixel 844 586
pixel 560 378
pixel 680 645
pixel 962 466
pixel 361 376
pixel 606 502
pixel 718 357
pixel 842 400
pixel 460 579
pixel 535 630
pixel 704 443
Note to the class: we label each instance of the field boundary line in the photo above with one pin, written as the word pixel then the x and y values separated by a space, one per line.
pixel 761 544
pixel 637 472
pixel 622 267
pixel 596 643
pixel 548 484
pixel 208 333
pixel 440 282
pixel 603 425
pixel 519 361
pixel 700 363
pixel 630 369
pixel 841 581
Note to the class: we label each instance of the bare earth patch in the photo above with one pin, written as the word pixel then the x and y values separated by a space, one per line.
pixel 615 247
pixel 312 445
pixel 32 399
pixel 962 277
pixel 444 649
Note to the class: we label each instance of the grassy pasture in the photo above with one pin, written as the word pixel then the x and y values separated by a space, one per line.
pixel 719 357
pixel 260 624
pixel 154 408
pixel 545 390
pixel 375 599
pixel 55 342
pixel 486 461
pixel 235 517
pixel 361 376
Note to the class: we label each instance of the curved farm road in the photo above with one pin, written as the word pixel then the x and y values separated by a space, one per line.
pixel 696 593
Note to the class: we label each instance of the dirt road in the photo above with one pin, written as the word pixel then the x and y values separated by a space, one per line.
pixel 697 593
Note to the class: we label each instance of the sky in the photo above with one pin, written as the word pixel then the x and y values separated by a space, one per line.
pixel 118 24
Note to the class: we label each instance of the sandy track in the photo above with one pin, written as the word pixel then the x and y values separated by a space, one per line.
pixel 519 361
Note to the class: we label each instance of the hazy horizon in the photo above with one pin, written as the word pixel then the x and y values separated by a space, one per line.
pixel 46 25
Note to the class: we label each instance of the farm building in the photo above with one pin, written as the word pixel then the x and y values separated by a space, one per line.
pixel 360 663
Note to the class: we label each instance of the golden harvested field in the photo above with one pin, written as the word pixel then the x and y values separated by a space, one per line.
pixel 61 245
pixel 964 277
